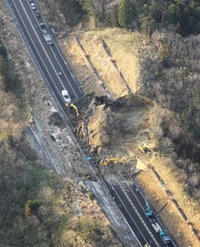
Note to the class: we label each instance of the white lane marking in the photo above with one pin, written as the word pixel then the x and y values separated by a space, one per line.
pixel 129 225
pixel 41 43
pixel 140 217
pixel 59 65
pixel 43 47
pixel 35 47
pixel 72 75
pixel 129 213
pixel 63 72
pixel 135 194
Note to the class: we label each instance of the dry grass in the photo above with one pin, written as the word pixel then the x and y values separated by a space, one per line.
pixel 81 67
pixel 122 47
pixel 10 123
pixel 170 215
pixel 104 66
pixel 127 50
pixel 111 52
pixel 170 176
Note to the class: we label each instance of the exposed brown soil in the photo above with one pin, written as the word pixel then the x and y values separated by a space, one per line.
pixel 133 130
pixel 151 128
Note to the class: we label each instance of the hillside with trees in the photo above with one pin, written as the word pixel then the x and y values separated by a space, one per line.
pixel 151 47
pixel 147 16
pixel 180 16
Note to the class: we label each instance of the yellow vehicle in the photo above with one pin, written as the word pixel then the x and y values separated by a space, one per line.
pixel 73 106
pixel 115 160
pixel 144 149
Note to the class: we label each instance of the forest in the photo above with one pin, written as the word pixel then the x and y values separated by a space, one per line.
pixel 182 16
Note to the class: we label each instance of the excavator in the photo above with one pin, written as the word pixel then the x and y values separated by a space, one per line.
pixel 144 149
pixel 74 107
pixel 148 210
pixel 115 160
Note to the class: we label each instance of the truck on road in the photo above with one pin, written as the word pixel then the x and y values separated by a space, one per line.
pixel 165 238
pixel 45 33
pixel 155 224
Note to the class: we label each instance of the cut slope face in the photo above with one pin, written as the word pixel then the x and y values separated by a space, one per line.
pixel 102 57
pixel 147 133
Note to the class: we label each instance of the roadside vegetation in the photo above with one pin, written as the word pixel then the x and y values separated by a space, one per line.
pixel 36 204
pixel 162 68
pixel 10 82
pixel 38 207
pixel 147 16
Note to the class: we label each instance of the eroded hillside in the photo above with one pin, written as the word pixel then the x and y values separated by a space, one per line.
pixel 141 106
pixel 150 126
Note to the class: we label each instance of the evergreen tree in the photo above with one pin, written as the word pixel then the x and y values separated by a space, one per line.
pixel 87 6
pixel 181 15
pixel 124 13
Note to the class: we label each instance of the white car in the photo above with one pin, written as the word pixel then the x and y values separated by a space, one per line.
pixel 33 6
pixel 66 96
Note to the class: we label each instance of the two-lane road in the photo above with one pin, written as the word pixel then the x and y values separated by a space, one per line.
pixel 132 205
pixel 48 57
pixel 55 71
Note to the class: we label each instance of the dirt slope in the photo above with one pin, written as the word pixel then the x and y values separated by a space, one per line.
pixel 137 129
pixel 162 130
pixel 164 71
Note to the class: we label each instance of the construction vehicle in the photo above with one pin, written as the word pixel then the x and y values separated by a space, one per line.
pixel 144 149
pixel 165 238
pixel 148 210
pixel 45 33
pixel 115 160
pixel 75 108
pixel 154 223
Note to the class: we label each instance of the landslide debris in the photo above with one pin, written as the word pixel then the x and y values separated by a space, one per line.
pixel 157 132
pixel 158 70
pixel 115 129
pixel 162 71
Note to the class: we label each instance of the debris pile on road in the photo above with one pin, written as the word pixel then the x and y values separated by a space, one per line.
pixel 114 128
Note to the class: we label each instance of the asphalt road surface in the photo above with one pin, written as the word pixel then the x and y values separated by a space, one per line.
pixel 49 58
pixel 56 72
pixel 132 205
